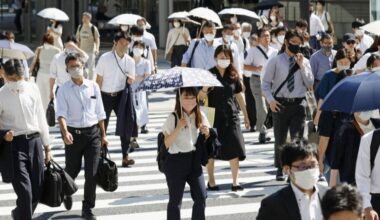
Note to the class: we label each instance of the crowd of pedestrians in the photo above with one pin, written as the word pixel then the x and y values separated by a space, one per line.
pixel 273 73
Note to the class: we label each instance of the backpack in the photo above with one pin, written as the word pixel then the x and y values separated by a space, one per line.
pixel 162 151
pixel 92 30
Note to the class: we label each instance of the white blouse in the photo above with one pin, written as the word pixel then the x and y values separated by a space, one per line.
pixel 186 139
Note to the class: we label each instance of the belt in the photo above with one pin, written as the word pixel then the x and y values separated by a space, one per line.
pixel 112 94
pixel 290 100
pixel 81 130
pixel 27 136
pixel 255 76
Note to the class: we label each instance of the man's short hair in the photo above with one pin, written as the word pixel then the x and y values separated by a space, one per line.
pixel 119 35
pixel 13 67
pixel 73 56
pixel 357 23
pixel 208 24
pixel 71 38
pixel 261 30
pixel 325 36
pixel 228 27
pixel 86 13
pixel 342 198
pixel 136 30
pixel 302 23
pixel 296 151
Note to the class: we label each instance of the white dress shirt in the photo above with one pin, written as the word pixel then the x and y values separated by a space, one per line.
pixel 149 40
pixel 22 111
pixel 183 143
pixel 310 208
pixel 81 106
pixel 256 58
pixel 366 181
pixel 113 78
pixel 58 68
pixel 315 25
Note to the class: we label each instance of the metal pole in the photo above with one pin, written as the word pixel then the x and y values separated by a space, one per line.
pixel 305 14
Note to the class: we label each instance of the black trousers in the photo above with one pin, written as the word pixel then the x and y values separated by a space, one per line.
pixel 28 175
pixel 18 20
pixel 291 118
pixel 179 170
pixel 112 103
pixel 249 101
pixel 375 202
pixel 87 145
pixel 177 54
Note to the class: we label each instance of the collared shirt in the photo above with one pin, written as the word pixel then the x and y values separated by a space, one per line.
pixel 256 58
pixel 22 111
pixel 187 137
pixel 149 40
pixel 113 78
pixel 58 68
pixel 275 73
pixel 87 37
pixel 203 55
pixel 367 182
pixel 315 25
pixel 320 63
pixel 81 106
pixel 310 208
pixel 238 60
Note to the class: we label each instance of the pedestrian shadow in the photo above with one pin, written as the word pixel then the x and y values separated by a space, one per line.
pixel 50 215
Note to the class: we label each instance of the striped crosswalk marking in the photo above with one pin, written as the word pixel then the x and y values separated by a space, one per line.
pixel 142 192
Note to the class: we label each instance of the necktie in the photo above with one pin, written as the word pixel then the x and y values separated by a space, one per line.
pixel 290 85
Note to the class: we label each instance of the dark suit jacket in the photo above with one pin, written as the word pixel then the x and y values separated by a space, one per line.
pixel 6 158
pixel 126 115
pixel 283 205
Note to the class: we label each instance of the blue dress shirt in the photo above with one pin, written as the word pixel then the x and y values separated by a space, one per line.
pixel 81 106
pixel 203 55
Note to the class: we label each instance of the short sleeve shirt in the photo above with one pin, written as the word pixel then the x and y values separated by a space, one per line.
pixel 87 38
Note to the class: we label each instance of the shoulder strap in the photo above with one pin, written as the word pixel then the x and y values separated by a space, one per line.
pixel 192 52
pixel 93 31
pixel 261 50
pixel 291 72
pixel 124 73
pixel 80 27
pixel 375 143
pixel 175 119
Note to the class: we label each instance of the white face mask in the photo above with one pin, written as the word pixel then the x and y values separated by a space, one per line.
pixel 223 63
pixel 15 86
pixel 306 179
pixel 137 52
pixel 246 34
pixel 209 37
pixel 237 32
pixel 124 27
pixel 229 38
pixel 135 38
pixel 375 69
pixel 76 73
pixel 342 67
pixel 281 39
pixel 365 116
pixel 176 24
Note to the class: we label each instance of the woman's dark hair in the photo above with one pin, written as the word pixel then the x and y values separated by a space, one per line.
pixel 230 70
pixel 57 23
pixel 48 38
pixel 340 54
pixel 302 23
pixel 13 67
pixel 137 43
pixel 289 35
pixel 300 150
pixel 371 60
pixel 322 2
pixel 71 38
pixel 374 46
pixel 342 198
pixel 188 91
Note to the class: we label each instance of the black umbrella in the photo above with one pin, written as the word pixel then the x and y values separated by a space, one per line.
pixel 268 4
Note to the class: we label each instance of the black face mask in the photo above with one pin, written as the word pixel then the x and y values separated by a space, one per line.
pixel 293 48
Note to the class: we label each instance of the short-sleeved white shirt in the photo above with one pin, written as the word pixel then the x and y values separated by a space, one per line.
pixel 186 139
pixel 150 40
pixel 113 78
pixel 256 58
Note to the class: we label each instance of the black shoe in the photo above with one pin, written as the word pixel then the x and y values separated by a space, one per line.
pixel 252 130
pixel 88 215
pixel 237 188
pixel 134 145
pixel 280 176
pixel 144 130
pixel 68 202
pixel 262 138
pixel 212 188
pixel 13 214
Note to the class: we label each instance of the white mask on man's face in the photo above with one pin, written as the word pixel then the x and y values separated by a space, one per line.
pixel 246 34
pixel 209 37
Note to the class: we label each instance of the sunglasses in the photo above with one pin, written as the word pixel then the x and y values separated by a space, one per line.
pixel 350 42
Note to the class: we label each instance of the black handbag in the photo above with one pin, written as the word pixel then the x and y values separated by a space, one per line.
pixel 50 114
pixel 69 185
pixel 107 177
pixel 52 194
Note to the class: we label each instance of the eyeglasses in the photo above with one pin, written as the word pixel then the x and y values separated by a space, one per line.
pixel 303 167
